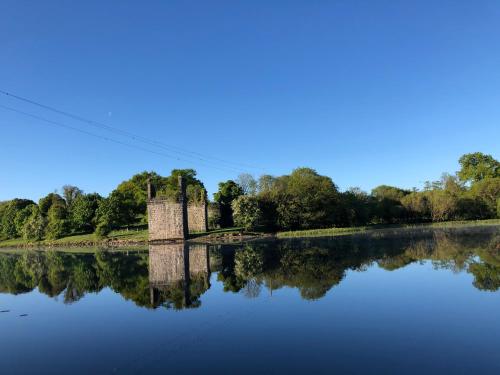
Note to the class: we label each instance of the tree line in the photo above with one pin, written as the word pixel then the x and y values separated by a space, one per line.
pixel 306 200
pixel 303 199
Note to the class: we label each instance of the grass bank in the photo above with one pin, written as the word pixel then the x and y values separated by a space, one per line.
pixel 114 238
pixel 121 238
pixel 332 232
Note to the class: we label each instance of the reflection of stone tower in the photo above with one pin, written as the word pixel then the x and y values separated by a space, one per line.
pixel 168 263
pixel 175 269
pixel 167 219
pixel 168 269
pixel 199 263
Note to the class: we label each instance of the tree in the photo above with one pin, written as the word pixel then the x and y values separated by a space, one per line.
pixel 478 166
pixel 228 191
pixel 444 205
pixel 57 223
pixel 388 207
pixel 246 211
pixel 10 210
pixel 70 193
pixel 305 199
pixel 46 202
pixel 247 183
pixel 417 206
pixel 34 228
pixel 108 214
pixel 134 191
pixel 83 212
pixel 488 191
pixel 21 217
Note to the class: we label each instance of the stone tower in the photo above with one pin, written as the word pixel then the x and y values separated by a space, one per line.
pixel 167 218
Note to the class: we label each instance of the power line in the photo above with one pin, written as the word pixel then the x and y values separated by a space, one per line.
pixel 109 139
pixel 135 137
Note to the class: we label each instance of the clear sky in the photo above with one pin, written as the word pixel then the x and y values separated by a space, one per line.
pixel 366 92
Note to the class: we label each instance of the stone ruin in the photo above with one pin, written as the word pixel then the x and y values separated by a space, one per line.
pixel 173 220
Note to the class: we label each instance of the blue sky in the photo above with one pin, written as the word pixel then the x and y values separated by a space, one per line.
pixel 366 92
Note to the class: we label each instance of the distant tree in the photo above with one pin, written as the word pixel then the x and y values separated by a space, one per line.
pixel 444 205
pixel 57 223
pixel 70 193
pixel 34 228
pixel 488 191
pixel 417 206
pixel 114 212
pixel 478 166
pixel 228 191
pixel 246 211
pixel 354 209
pixel 134 191
pixel 46 202
pixel 387 207
pixel 389 192
pixel 247 183
pixel 306 199
pixel 10 210
pixel 213 215
pixel 83 212
pixel 21 217
pixel 266 183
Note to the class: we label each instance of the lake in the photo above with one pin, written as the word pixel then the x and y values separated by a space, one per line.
pixel 411 302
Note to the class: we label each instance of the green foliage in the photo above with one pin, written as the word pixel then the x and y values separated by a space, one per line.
pixel 57 223
pixel 9 212
pixel 107 215
pixel 213 215
pixel 83 212
pixel 246 211
pixel 34 228
pixel 46 202
pixel 70 193
pixel 303 199
pixel 488 191
pixel 354 209
pixel 247 183
pixel 22 217
pixel 478 166
pixel 228 191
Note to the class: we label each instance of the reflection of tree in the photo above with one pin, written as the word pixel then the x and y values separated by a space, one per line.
pixel 312 266
pixel 74 274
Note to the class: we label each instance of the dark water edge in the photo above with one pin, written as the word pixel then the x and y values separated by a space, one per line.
pixel 412 302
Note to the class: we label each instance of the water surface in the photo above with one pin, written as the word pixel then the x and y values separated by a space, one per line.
pixel 419 302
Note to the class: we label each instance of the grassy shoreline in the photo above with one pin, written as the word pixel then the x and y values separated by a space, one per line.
pixel 140 237
pixel 333 232
pixel 124 238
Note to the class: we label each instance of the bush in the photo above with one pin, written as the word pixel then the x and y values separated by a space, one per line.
pixel 246 211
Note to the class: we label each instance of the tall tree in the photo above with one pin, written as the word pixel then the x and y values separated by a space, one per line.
pixel 70 193
pixel 228 191
pixel 478 166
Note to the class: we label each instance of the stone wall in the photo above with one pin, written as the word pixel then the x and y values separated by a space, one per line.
pixel 197 217
pixel 167 220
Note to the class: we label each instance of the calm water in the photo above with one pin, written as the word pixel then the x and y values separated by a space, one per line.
pixel 414 303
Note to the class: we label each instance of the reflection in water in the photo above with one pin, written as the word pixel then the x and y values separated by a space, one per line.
pixel 176 275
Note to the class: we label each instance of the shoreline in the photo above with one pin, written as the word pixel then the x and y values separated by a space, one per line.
pixel 139 238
